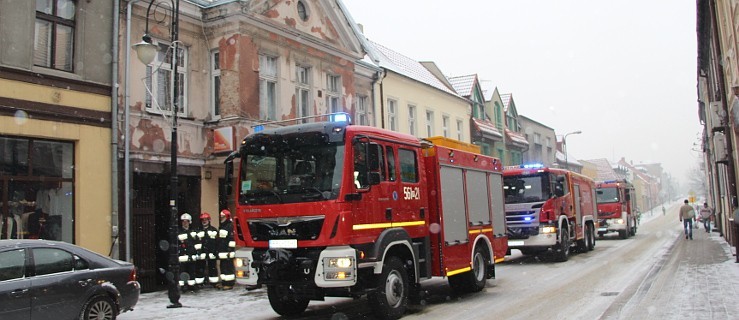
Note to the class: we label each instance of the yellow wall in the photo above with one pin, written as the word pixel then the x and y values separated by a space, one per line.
pixel 406 91
pixel 92 186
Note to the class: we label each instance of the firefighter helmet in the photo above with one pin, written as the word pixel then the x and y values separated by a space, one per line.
pixel 204 215
pixel 186 216
pixel 225 213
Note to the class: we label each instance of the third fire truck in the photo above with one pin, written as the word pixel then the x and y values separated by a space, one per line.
pixel 549 210
pixel 334 209
pixel 617 208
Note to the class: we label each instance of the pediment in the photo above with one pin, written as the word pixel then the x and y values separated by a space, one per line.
pixel 319 21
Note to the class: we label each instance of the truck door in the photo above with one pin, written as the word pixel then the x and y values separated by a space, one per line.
pixel 577 204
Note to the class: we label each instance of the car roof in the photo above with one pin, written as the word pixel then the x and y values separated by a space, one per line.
pixel 101 260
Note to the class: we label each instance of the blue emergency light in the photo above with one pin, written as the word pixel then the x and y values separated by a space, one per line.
pixel 339 117
pixel 258 128
pixel 532 166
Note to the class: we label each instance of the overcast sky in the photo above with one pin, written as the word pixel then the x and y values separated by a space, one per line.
pixel 623 72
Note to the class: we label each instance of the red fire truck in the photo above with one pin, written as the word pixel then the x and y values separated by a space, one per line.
pixel 617 208
pixel 549 209
pixel 334 209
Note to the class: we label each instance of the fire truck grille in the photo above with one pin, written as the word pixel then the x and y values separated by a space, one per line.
pixel 521 218
pixel 300 228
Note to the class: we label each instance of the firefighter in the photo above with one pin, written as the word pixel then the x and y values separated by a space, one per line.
pixel 208 235
pixel 226 249
pixel 188 252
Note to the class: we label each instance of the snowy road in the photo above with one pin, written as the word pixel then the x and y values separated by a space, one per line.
pixel 620 279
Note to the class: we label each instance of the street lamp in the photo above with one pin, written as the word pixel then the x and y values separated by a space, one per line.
pixel 146 51
pixel 564 145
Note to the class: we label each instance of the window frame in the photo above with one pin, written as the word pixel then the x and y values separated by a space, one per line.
pixel 215 83
pixel 445 125
pixel 152 80
pixel 267 111
pixel 55 20
pixel 360 112
pixel 392 116
pixel 333 92
pixel 429 123
pixel 302 90
pixel 412 115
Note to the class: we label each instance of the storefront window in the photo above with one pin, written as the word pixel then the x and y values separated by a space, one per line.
pixel 36 189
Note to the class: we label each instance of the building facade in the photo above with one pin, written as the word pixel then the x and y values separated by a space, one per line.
pixel 542 142
pixel 55 122
pixel 515 141
pixel 241 64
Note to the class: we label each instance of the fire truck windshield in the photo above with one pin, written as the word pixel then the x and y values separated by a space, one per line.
pixel 289 169
pixel 607 195
pixel 524 189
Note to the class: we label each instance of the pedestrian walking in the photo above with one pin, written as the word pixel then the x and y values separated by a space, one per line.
pixel 663 210
pixel 705 213
pixel 687 213
pixel 207 261
pixel 226 250
pixel 188 253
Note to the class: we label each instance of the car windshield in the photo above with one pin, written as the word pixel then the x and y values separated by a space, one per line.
pixel 607 195
pixel 290 168
pixel 522 189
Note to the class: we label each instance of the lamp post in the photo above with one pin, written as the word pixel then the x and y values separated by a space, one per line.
pixel 146 51
pixel 564 145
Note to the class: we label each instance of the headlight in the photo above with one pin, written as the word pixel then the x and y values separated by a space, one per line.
pixel 619 221
pixel 340 262
pixel 548 230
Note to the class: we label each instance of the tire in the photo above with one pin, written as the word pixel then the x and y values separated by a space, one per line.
pixel 591 245
pixel 99 307
pixel 284 303
pixel 390 299
pixel 475 279
pixel 562 251
pixel 624 234
pixel 633 228
pixel 588 238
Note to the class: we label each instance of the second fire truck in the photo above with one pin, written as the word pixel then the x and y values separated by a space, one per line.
pixel 549 210
pixel 333 209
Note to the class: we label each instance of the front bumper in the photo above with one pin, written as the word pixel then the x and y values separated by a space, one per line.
pixel 296 266
pixel 610 225
pixel 546 237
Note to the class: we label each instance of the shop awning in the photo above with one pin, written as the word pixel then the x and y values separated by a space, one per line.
pixel 487 129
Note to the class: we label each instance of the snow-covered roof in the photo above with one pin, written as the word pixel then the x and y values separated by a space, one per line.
pixel 516 137
pixel 487 127
pixel 604 169
pixel 408 67
pixel 506 98
pixel 463 84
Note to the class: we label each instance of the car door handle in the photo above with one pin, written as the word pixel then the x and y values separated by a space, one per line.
pixel 18 293
pixel 85 283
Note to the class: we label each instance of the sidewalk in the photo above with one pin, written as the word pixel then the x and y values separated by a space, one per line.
pixel 696 279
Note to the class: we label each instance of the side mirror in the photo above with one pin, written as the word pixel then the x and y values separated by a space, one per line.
pixel 374 178
pixel 229 177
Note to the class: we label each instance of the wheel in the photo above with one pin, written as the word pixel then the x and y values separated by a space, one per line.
pixel 588 238
pixel 623 234
pixel 475 279
pixel 390 299
pixel 562 251
pixel 285 303
pixel 591 245
pixel 99 307
pixel 633 228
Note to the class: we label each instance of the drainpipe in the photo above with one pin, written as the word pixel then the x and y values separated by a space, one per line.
pixel 127 135
pixel 115 246
pixel 382 100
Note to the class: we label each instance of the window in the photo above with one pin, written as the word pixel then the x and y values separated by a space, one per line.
pixel 50 260
pixel 303 85
pixel 361 112
pixel 267 87
pixel 333 92
pixel 412 119
pixel 54 35
pixel 392 118
pixel 14 264
pixel 460 127
pixel 302 11
pixel 549 142
pixel 158 80
pixel 215 83
pixel 40 187
pixel 390 163
pixel 408 165
pixel 537 138
pixel 429 123
pixel 445 126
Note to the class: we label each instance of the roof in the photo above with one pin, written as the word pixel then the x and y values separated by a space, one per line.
pixel 408 67
pixel 463 84
pixel 604 169
pixel 506 98
pixel 488 90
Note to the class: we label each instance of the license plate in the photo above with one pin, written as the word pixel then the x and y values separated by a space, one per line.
pixel 283 243
pixel 515 243
pixel 602 229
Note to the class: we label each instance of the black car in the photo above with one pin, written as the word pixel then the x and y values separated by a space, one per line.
pixel 42 279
